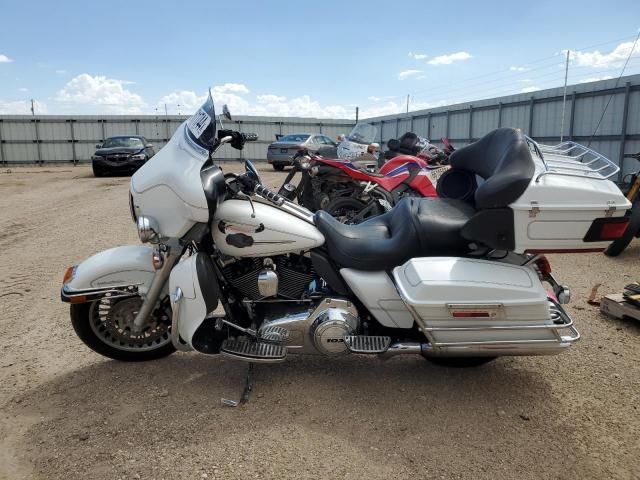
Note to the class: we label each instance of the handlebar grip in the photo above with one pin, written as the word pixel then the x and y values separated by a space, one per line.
pixel 269 195
pixel 250 137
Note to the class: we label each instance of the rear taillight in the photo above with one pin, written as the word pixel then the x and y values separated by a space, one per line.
pixel 606 229
pixel 612 231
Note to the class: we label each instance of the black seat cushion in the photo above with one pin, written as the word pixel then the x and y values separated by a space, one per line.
pixel 503 159
pixel 414 227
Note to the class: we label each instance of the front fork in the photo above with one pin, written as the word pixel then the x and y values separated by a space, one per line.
pixel 170 257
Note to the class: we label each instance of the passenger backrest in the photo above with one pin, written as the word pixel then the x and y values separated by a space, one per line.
pixel 503 159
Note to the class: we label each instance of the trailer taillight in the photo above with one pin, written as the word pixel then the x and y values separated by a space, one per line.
pixel 606 229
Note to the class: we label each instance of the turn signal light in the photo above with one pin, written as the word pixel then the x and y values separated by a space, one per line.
pixel 69 274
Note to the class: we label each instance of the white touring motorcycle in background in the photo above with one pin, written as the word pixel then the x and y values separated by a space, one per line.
pixel 235 269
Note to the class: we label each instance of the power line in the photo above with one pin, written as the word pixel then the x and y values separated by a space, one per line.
pixel 617 82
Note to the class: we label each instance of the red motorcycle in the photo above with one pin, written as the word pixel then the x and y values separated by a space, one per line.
pixel 352 193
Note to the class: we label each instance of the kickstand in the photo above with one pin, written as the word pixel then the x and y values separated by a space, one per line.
pixel 248 387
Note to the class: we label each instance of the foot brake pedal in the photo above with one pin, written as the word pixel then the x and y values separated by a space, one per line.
pixel 367 343
pixel 273 334
pixel 258 352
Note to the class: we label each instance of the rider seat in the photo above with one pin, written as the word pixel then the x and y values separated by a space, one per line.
pixel 415 227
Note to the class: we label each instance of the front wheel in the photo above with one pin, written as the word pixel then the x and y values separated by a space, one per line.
pixel 278 167
pixel 105 326
pixel 617 246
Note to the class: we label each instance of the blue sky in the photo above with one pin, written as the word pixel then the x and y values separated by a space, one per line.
pixel 300 58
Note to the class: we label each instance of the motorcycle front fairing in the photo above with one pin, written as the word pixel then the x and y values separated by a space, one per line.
pixel 169 187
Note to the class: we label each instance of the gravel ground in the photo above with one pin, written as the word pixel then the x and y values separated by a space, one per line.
pixel 69 413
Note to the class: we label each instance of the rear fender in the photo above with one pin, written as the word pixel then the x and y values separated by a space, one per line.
pixel 195 278
pixel 116 268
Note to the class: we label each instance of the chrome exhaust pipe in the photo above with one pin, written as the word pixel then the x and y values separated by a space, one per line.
pixel 402 348
pixel 479 350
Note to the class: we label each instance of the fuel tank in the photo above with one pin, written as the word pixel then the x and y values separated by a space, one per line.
pixel 240 230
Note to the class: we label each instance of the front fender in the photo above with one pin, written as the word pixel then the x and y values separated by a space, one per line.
pixel 117 267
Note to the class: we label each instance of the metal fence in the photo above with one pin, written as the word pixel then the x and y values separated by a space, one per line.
pixel 539 115
pixel 49 138
pixel 52 138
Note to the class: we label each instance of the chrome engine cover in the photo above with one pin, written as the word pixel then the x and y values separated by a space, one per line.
pixel 320 329
pixel 330 328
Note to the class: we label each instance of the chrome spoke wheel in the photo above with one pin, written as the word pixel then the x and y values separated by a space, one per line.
pixel 111 320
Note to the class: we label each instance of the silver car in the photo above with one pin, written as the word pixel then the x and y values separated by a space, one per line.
pixel 281 151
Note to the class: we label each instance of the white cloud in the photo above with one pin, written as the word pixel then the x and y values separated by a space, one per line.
pixel 102 94
pixel 5 59
pixel 303 106
pixel 266 99
pixel 373 98
pixel 188 101
pixel 22 107
pixel 23 89
pixel 62 72
pixel 448 59
pixel 418 56
pixel 529 89
pixel 595 79
pixel 408 74
pixel 231 88
pixel 614 58
pixel 518 69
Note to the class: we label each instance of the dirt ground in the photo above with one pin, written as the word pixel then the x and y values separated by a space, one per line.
pixel 69 413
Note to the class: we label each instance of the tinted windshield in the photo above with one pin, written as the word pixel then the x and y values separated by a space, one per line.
pixel 294 138
pixel 125 142
pixel 201 126
pixel 363 133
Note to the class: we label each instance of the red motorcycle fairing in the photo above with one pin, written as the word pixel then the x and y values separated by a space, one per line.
pixel 393 173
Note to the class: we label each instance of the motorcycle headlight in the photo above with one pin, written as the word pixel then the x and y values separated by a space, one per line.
pixel 138 156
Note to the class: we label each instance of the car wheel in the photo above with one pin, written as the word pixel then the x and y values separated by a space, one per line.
pixel 278 167
pixel 97 171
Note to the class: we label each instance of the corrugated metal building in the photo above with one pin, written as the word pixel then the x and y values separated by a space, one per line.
pixel 539 115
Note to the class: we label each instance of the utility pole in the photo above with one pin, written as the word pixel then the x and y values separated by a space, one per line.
pixel 408 97
pixel 166 114
pixel 33 110
pixel 564 97
pixel 357 113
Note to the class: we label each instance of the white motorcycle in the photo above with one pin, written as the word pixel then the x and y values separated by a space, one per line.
pixel 237 270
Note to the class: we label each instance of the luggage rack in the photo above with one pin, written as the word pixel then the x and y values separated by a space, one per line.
pixel 574 160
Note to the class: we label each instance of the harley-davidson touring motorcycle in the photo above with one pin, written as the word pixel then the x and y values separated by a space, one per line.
pixel 229 267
